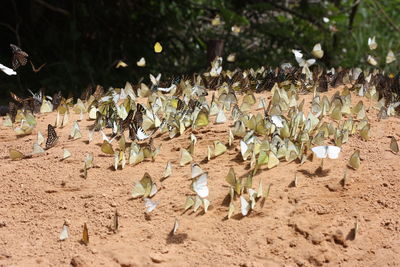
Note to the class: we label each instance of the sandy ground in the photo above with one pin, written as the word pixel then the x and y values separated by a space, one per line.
pixel 305 225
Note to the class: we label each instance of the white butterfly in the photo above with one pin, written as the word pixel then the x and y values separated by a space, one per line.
pixel 149 205
pixel 244 206
pixel 64 232
pixel 371 60
pixel 221 118
pixel 105 138
pixel 155 80
pixel 7 70
pixel 196 170
pixel 216 67
pixel 277 120
pixel 40 138
pixel 317 51
pixel 166 89
pixel 372 43
pixel 243 147
pixel 390 57
pixel 200 185
pixel 37 149
pixel 66 154
pixel 140 134
pixel 141 62
pixel 299 58
pixel 176 226
pixel 323 152
pixel 167 170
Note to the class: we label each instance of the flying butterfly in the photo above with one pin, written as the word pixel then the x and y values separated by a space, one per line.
pixel 36 70
pixel 52 137
pixel 19 57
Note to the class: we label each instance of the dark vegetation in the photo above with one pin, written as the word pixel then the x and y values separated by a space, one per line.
pixel 81 41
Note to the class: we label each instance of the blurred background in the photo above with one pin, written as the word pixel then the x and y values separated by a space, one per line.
pixel 82 41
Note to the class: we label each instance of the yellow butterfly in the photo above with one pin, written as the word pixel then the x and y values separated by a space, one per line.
pixel 158 48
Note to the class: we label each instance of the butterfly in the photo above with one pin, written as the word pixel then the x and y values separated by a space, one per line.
pixel 64 232
pixel 19 57
pixel 99 92
pixel 85 235
pixel 36 70
pixel 244 206
pixel 56 99
pixel 193 104
pixel 331 152
pixel 138 133
pixel 158 48
pixel 149 205
pixel 140 108
pixel 115 221
pixel 52 137
pixel 200 185
pixel 180 104
pixel 125 123
pixel 138 118
pixel 12 110
pixel 175 229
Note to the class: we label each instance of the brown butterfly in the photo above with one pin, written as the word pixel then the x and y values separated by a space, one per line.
pixel 193 104
pixel 138 118
pixel 125 123
pixel 56 99
pixel 36 70
pixel 12 111
pixel 85 235
pixel 19 57
pixel 180 104
pixel 52 137
pixel 17 98
pixel 115 221
pixel 99 92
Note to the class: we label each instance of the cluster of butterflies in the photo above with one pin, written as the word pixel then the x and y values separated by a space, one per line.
pixel 279 130
pixel 51 141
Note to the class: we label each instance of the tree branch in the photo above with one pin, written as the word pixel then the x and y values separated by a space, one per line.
pixel 53 8
pixel 294 13
pixel 391 22
pixel 353 13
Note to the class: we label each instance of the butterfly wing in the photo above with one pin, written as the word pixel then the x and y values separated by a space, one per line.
pixel 52 137
pixel 333 152
pixel 19 57
pixel 64 232
pixel 277 121
pixel 200 185
pixel 140 134
pixel 196 170
pixel 85 235
pixel 149 205
pixel 244 206
pixel 320 151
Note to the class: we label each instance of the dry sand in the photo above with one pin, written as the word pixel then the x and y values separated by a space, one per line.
pixel 298 226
